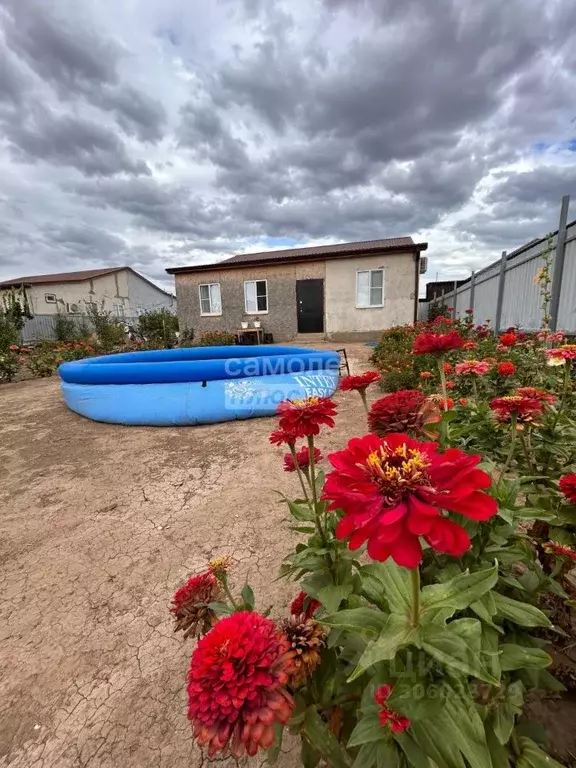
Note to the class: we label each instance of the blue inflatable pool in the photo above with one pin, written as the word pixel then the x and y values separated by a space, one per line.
pixel 199 385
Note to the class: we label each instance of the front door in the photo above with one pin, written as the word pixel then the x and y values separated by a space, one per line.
pixel 310 301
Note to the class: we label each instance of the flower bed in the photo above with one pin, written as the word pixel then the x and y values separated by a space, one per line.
pixel 432 570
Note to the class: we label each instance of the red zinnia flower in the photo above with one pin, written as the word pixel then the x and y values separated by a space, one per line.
pixel 198 589
pixel 404 411
pixel 387 716
pixel 359 382
pixel 469 345
pixel 236 684
pixel 567 485
pixel 525 408
pixel 558 355
pixel 450 384
pixel 302 457
pixel 304 417
pixel 479 367
pixel 305 604
pixel 14 347
pixel 445 405
pixel 462 401
pixel 393 490
pixel 283 437
pixel 506 368
pixel 539 394
pixel 431 343
pixel 508 339
pixel 190 604
pixel 448 368
pixel 426 375
pixel 560 550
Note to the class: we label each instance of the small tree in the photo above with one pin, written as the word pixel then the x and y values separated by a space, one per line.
pixel 65 328
pixel 159 326
pixel 108 329
pixel 438 309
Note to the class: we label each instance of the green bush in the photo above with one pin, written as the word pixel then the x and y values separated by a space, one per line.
pixel 67 330
pixel 216 339
pixel 9 365
pixel 109 330
pixel 9 333
pixel 159 328
pixel 438 309
pixel 186 338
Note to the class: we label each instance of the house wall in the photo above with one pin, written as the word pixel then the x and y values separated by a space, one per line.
pixel 281 318
pixel 120 289
pixel 343 320
pixel 145 297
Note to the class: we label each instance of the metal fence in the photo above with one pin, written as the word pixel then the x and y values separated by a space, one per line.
pixel 506 292
pixel 41 327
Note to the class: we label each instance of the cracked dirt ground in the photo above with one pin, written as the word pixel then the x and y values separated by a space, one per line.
pixel 98 526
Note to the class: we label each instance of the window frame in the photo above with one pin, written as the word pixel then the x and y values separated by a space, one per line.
pixel 209 314
pixel 382 270
pixel 52 300
pixel 258 311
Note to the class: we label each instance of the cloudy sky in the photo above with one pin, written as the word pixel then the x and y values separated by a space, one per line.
pixel 164 132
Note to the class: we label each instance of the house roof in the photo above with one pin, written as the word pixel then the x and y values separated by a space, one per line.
pixel 73 277
pixel 312 253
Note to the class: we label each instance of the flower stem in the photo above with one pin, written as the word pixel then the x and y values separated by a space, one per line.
pixel 415 575
pixel 525 445
pixel 474 388
pixel 224 582
pixel 567 372
pixel 292 448
pixel 321 532
pixel 443 381
pixel 513 423
pixel 362 393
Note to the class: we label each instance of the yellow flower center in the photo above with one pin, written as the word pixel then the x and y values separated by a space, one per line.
pixel 302 403
pixel 397 471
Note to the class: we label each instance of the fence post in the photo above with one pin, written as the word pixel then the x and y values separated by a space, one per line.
pixel 559 264
pixel 472 290
pixel 500 300
pixel 455 298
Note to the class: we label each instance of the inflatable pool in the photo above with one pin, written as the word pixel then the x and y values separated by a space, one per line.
pixel 199 385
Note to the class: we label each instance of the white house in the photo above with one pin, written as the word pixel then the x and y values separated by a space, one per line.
pixel 119 290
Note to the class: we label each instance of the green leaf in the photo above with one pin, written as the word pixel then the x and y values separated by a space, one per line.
pixel 464 726
pixel 510 704
pixel 417 757
pixel 221 609
pixel 367 729
pixel 485 608
pixel 387 755
pixel 499 754
pixel 365 620
pixel 459 592
pixel 323 740
pixel 519 657
pixel 273 752
pixel 534 513
pixel 314 582
pixel 332 596
pixel 520 613
pixel 449 648
pixel 395 583
pixel 309 756
pixel 434 743
pixel 470 630
pixel 302 528
pixel 533 757
pixel 300 512
pixel 397 633
pixel 248 597
pixel 416 698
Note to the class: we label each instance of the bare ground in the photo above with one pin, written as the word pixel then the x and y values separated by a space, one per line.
pixel 98 526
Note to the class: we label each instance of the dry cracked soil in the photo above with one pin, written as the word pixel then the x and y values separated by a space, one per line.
pixel 98 526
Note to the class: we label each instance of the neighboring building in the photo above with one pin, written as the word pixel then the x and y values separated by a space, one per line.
pixel 439 288
pixel 119 290
pixel 345 291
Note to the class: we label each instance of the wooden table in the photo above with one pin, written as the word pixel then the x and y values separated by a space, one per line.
pixel 259 332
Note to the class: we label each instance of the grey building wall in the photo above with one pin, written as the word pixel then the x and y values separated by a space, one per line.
pixel 281 318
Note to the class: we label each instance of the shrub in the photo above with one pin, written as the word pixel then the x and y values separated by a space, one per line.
pixel 9 333
pixel 65 328
pixel 186 337
pixel 109 330
pixel 159 327
pixel 438 309
pixel 9 365
pixel 216 339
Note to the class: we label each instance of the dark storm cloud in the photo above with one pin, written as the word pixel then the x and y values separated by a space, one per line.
pixel 70 141
pixel 308 119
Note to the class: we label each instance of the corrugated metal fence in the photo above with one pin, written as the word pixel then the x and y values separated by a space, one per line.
pixel 42 327
pixel 506 292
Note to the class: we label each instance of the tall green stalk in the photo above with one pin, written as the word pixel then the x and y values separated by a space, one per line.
pixel 415 576
pixel 314 490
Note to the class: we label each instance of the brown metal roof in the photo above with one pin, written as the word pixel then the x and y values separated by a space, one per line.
pixel 312 253
pixel 60 277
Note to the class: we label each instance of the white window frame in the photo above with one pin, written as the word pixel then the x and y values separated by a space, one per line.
pixel 370 272
pixel 211 313
pixel 258 311
pixel 50 298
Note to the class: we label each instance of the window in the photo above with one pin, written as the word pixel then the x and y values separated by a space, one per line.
pixel 119 310
pixel 369 288
pixel 256 296
pixel 50 298
pixel 210 300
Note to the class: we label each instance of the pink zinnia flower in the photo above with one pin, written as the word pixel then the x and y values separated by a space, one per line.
pixel 478 367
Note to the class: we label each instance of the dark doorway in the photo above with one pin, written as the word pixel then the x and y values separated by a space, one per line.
pixel 310 302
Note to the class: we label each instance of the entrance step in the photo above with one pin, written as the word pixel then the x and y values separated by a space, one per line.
pixel 310 337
